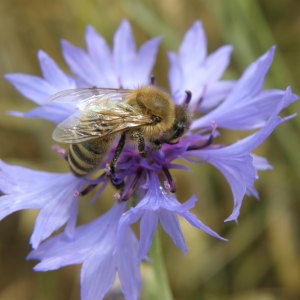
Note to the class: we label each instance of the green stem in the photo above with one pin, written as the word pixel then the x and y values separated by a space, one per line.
pixel 162 288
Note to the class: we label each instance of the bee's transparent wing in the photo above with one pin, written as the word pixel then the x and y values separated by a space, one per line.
pixel 83 97
pixel 100 112
pixel 91 124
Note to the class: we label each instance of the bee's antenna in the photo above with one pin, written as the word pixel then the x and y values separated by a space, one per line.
pixel 187 99
pixel 152 80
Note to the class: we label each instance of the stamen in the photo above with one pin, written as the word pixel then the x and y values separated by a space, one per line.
pixel 91 186
pixel 111 174
pixel 207 143
pixel 107 170
pixel 117 196
pixel 129 192
pixel 60 151
pixel 88 189
pixel 196 106
pixel 171 185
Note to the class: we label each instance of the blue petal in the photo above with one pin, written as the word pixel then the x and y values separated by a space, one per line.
pixel 80 64
pixel 124 52
pixel 128 265
pixel 193 220
pixel 54 112
pixel 143 64
pixel 170 224
pixel 63 249
pixel 53 74
pixel 147 229
pixel 217 62
pixel 194 45
pixel 252 80
pixel 101 56
pixel 260 163
pixel 191 70
pixel 246 107
pixel 32 87
pixel 214 93
pixel 97 275
pixel 235 162
pixel 26 189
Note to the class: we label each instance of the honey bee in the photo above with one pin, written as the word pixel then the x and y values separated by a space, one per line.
pixel 146 116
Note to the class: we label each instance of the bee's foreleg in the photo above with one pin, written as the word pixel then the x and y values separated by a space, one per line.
pixel 156 145
pixel 139 139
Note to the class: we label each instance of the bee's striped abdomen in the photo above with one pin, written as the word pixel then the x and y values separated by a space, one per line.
pixel 85 157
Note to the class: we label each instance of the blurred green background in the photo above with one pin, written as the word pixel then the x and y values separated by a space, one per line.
pixel 261 260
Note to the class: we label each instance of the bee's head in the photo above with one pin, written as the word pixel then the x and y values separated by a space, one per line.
pixel 180 126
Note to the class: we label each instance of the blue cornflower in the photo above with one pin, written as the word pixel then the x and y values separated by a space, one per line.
pixel 107 246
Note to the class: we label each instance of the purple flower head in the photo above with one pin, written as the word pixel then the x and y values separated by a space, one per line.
pixel 142 169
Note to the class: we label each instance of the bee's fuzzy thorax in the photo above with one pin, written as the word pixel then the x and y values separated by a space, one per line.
pixel 154 102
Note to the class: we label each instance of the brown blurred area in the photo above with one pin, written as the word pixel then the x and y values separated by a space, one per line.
pixel 261 261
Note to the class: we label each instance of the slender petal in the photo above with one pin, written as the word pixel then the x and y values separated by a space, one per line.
pixel 133 69
pixel 80 64
pixel 101 56
pixel 247 107
pixel 53 194
pixel 94 245
pixel 191 69
pixel 39 89
pixel 235 162
pixel 157 204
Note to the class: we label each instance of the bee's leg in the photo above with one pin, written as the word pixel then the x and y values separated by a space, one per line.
pixel 139 139
pixel 114 160
pixel 156 145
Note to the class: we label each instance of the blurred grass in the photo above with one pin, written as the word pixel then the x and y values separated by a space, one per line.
pixel 261 260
